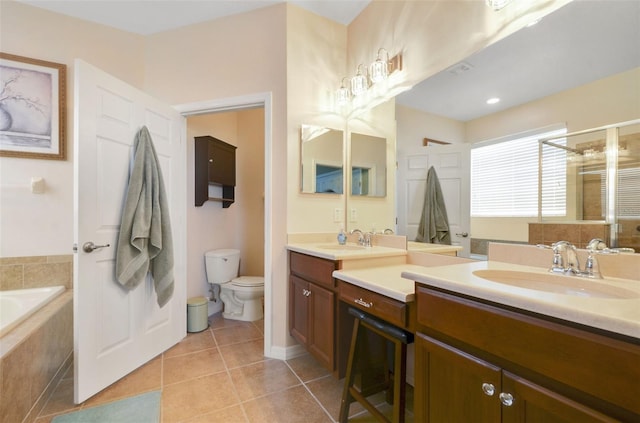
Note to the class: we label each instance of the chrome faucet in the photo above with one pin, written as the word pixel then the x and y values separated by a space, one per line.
pixel 565 259
pixel 360 236
pixel 367 238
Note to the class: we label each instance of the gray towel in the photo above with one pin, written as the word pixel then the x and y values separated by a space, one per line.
pixel 434 224
pixel 145 242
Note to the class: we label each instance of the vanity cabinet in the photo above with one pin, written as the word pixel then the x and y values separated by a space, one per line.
pixel 215 164
pixel 479 361
pixel 312 305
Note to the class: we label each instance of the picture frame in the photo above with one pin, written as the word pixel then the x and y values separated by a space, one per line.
pixel 32 108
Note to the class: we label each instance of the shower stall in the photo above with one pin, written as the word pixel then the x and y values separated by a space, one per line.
pixel 591 179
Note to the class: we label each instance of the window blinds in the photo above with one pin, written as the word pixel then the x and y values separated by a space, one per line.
pixel 504 177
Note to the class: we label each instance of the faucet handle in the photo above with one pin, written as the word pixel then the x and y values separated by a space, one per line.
pixel 557 265
pixel 591 268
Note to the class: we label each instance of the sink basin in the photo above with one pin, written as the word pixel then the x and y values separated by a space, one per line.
pixel 557 284
pixel 338 247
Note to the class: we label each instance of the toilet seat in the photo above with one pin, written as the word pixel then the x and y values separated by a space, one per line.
pixel 248 282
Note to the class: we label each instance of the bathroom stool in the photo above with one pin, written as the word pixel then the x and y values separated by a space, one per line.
pixel 400 339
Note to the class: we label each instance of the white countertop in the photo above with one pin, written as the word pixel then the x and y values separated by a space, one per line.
pixel 386 280
pixel 334 251
pixel 432 248
pixel 615 315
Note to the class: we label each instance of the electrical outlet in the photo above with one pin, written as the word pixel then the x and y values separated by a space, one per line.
pixel 354 215
pixel 337 215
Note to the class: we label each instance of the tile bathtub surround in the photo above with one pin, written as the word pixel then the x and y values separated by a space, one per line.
pixel 31 357
pixel 36 271
pixel 220 375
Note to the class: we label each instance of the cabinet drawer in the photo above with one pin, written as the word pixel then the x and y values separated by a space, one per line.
pixel 603 367
pixel 313 269
pixel 390 310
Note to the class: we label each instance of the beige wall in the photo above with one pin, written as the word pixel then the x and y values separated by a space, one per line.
pixel 230 57
pixel 30 224
pixel 316 57
pixel 602 102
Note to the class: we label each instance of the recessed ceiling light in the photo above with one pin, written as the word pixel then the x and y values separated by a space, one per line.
pixel 493 100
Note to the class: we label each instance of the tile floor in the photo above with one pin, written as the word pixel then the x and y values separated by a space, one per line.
pixel 221 375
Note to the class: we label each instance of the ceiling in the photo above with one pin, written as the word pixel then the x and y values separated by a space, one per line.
pixel 583 41
pixel 147 17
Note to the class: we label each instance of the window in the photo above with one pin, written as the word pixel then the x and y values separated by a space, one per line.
pixel 504 177
pixel 628 192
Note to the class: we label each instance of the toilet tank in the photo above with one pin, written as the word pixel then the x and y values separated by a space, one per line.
pixel 222 265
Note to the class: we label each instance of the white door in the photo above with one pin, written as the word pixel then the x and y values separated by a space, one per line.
pixel 452 166
pixel 115 330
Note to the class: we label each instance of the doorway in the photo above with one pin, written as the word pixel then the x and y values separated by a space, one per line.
pixel 262 100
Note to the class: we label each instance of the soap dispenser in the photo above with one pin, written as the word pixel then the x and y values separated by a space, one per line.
pixel 342 237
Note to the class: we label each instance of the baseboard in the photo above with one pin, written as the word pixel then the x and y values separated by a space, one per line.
pixel 286 353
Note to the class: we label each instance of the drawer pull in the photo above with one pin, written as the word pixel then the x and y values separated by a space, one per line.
pixel 506 399
pixel 363 303
pixel 306 292
pixel 488 389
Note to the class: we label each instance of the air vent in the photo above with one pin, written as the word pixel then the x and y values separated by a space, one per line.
pixel 460 68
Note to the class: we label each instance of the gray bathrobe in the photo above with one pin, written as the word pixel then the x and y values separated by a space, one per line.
pixel 145 241
pixel 434 224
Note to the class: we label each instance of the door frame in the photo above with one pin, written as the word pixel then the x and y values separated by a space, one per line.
pixel 245 102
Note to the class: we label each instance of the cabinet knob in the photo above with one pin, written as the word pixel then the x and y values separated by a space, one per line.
pixel 306 292
pixel 506 399
pixel 488 389
pixel 210 160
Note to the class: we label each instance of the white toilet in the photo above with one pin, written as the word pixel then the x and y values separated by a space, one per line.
pixel 241 296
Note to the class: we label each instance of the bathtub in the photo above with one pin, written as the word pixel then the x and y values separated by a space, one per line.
pixel 18 305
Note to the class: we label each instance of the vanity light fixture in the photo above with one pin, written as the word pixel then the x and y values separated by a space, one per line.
pixel 497 4
pixel 379 70
pixel 343 94
pixel 359 83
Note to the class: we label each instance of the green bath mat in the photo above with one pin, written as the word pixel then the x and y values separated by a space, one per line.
pixel 144 408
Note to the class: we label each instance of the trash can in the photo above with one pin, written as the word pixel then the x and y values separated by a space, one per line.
pixel 197 319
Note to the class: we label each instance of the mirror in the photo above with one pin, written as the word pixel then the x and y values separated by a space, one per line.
pixel 568 39
pixel 368 165
pixel 321 160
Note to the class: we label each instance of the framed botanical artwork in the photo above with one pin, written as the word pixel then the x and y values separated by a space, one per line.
pixel 32 108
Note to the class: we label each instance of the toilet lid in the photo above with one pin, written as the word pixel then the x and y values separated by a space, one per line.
pixel 248 281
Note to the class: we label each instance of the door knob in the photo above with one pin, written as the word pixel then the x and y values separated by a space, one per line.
pixel 462 234
pixel 89 247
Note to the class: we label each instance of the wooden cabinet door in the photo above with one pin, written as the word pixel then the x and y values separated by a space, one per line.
pixel 321 325
pixel 299 309
pixel 533 403
pixel 453 386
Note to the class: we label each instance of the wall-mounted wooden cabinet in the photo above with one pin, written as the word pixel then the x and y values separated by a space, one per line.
pixel 215 164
